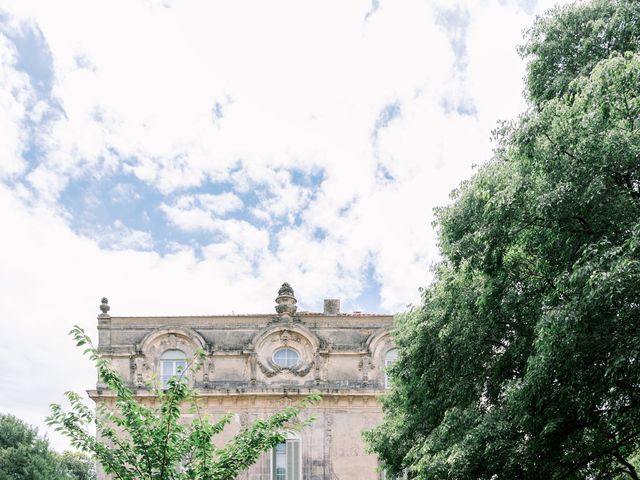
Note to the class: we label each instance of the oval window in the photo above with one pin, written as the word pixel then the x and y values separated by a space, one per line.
pixel 285 357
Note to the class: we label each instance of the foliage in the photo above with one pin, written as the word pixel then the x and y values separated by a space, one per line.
pixel 568 42
pixel 79 465
pixel 23 455
pixel 523 359
pixel 26 456
pixel 139 442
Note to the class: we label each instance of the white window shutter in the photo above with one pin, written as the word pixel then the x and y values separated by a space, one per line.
pixel 293 460
pixel 290 472
pixel 273 463
pixel 296 461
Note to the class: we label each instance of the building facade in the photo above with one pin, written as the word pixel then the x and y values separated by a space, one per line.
pixel 257 364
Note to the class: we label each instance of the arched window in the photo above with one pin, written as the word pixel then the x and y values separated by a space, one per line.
pixel 172 363
pixel 285 357
pixel 285 460
pixel 392 356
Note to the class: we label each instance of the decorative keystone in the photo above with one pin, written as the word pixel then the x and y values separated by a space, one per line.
pixel 104 307
pixel 286 301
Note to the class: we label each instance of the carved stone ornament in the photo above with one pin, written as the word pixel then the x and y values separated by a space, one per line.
pixel 301 372
pixel 156 342
pixel 104 307
pixel 365 366
pixel 207 371
pixel 285 289
pixel 285 336
pixel 376 346
pixel 286 301
pixel 294 336
pixel 270 370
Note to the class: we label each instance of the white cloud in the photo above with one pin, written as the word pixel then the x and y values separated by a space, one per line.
pixel 220 204
pixel 16 99
pixel 124 192
pixel 202 211
pixel 120 237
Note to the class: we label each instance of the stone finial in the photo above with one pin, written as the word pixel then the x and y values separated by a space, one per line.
pixel 104 307
pixel 286 301
pixel 286 289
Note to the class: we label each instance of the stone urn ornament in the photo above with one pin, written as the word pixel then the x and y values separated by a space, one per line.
pixel 286 301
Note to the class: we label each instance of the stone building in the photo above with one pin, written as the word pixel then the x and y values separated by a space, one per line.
pixel 256 364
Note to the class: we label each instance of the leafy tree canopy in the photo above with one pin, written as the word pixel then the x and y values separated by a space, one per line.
pixel 80 465
pixel 137 441
pixel 569 41
pixel 523 359
pixel 26 456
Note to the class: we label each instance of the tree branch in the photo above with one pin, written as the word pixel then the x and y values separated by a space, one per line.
pixel 629 468
pixel 584 224
pixel 607 451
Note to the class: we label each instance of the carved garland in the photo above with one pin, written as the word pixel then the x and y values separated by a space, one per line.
pixel 272 369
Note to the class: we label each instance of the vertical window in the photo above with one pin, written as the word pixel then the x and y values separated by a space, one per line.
pixel 392 356
pixel 172 363
pixel 285 460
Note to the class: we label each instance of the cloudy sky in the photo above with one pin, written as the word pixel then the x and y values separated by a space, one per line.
pixel 187 157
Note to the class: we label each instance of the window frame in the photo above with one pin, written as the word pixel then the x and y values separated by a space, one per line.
pixel 272 453
pixel 174 363
pixel 273 357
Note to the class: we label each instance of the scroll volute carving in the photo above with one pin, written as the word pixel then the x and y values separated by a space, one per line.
pixel 372 364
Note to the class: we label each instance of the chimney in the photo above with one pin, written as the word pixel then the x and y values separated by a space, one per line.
pixel 331 306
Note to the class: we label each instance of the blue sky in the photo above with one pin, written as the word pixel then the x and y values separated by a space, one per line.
pixel 189 157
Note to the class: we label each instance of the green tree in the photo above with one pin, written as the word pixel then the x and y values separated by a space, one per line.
pixel 139 442
pixel 24 455
pixel 78 465
pixel 523 359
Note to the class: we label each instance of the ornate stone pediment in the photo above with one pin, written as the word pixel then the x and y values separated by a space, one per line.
pixel 293 336
pixel 146 363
